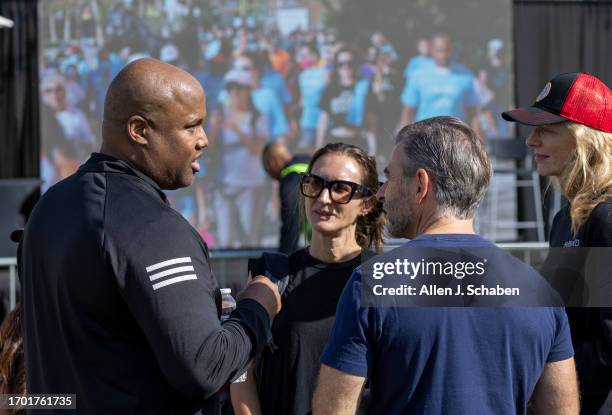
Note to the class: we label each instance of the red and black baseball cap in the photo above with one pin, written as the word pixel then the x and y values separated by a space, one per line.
pixel 575 96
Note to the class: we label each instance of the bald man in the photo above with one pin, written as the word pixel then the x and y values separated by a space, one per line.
pixel 286 169
pixel 120 306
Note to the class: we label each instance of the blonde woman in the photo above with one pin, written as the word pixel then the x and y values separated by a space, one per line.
pixel 572 142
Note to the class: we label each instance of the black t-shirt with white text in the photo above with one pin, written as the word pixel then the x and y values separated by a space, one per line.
pixel 336 101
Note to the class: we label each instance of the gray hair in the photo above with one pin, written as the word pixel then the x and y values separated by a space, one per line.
pixel 456 158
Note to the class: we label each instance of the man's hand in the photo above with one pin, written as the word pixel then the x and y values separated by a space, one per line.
pixel 265 292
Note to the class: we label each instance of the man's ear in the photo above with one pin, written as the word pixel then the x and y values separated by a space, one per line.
pixel 424 183
pixel 138 129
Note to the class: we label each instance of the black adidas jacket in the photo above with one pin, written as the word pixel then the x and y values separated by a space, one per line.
pixel 120 306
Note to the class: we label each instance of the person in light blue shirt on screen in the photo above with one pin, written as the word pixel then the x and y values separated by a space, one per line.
pixel 440 89
pixel 270 78
pixel 421 61
pixel 272 110
pixel 312 83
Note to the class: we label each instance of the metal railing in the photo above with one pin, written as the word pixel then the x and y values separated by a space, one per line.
pixel 11 264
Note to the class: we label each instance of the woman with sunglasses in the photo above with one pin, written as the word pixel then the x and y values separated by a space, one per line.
pixel 338 194
pixel 572 142
pixel 343 105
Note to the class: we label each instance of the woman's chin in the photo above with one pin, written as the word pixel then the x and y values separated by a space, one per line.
pixel 546 172
pixel 327 227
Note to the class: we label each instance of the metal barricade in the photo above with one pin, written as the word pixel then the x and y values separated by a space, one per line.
pixel 11 264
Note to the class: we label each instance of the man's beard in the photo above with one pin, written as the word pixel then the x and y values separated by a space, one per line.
pixel 399 221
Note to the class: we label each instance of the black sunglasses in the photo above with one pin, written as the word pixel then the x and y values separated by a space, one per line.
pixel 340 191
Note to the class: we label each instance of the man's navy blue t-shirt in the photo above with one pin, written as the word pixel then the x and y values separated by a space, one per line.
pixel 446 360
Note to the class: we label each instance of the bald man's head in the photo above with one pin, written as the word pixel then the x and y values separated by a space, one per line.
pixel 274 157
pixel 153 116
pixel 145 87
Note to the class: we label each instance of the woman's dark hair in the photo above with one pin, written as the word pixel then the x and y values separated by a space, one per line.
pixel 369 226
pixel 12 363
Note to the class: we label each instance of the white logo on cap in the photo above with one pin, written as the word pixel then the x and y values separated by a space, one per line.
pixel 544 92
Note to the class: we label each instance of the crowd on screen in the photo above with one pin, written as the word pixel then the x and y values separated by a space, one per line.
pixel 307 88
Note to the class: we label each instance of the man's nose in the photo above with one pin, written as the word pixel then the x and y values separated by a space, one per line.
pixel 203 140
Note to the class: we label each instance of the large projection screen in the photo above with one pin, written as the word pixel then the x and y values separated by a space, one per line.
pixel 85 44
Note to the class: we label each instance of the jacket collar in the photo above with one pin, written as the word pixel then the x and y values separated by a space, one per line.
pixel 104 163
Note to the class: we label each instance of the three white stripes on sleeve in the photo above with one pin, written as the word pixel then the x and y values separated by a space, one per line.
pixel 170 268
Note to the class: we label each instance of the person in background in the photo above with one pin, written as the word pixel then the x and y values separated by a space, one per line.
pixel 269 77
pixel 368 68
pixel 312 81
pixel 343 105
pixel 279 58
pixel 74 86
pixel 494 90
pixel 443 89
pixel 71 118
pixel 338 195
pixel 382 110
pixel 380 42
pixel 211 79
pixel 264 99
pixel 241 43
pixel 12 361
pixel 77 141
pixel 287 170
pixel 420 61
pixel 572 142
pixel 238 132
pixel 52 137
pixel 99 80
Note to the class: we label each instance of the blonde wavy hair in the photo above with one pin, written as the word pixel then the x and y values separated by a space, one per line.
pixel 587 179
